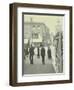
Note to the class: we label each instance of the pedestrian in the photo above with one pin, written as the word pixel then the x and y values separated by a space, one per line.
pixel 31 51
pixel 38 52
pixel 43 55
pixel 26 52
pixel 49 53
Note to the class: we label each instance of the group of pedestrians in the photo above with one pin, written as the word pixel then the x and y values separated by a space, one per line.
pixel 40 52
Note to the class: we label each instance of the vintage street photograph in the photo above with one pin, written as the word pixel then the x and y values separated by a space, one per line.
pixel 43 43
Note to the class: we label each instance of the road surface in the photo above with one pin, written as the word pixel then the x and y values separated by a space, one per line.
pixel 38 67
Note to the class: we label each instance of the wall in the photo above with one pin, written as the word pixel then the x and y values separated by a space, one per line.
pixel 4 46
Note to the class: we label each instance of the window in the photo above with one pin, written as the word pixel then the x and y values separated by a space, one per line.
pixel 35 35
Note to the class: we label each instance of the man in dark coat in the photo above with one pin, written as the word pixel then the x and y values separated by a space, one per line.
pixel 49 53
pixel 43 55
pixel 31 51
pixel 38 52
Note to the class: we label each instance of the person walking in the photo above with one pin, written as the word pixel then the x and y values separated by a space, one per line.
pixel 43 55
pixel 49 53
pixel 38 52
pixel 31 51
pixel 26 52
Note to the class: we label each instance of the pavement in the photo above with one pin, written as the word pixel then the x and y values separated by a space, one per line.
pixel 38 67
